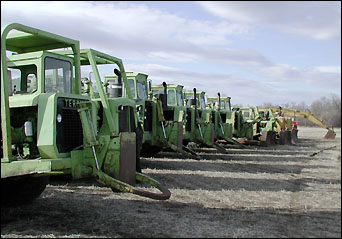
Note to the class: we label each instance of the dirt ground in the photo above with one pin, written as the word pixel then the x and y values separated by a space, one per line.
pixel 278 191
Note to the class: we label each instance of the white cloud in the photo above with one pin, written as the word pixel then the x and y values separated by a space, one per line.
pixel 138 33
pixel 210 81
pixel 134 31
pixel 126 20
pixel 241 90
pixel 329 69
pixel 312 19
pixel 324 77
pixel 281 83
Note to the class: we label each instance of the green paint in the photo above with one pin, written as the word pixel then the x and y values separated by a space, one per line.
pixel 58 127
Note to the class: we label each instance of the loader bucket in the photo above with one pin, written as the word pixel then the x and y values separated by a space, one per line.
pixel 330 135
pixel 294 136
pixel 288 137
pixel 285 137
pixel 268 138
pixel 127 165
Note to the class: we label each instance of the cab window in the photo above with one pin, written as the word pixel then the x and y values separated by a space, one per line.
pixel 171 97
pixel 141 90
pixel 131 87
pixel 57 75
pixel 229 107
pixel 23 79
pixel 222 105
pixel 179 98
pixel 203 102
pixel 189 97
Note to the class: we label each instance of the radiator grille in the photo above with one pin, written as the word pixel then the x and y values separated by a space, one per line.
pixel 123 119
pixel 72 129
pixel 188 120
pixel 148 115
pixel 224 117
pixel 126 119
pixel 236 120
pixel 69 130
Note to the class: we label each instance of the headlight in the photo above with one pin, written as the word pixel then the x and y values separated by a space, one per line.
pixel 121 108
pixel 59 118
pixel 139 107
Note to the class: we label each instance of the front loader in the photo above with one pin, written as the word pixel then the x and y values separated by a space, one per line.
pixel 266 126
pixel 160 125
pixel 223 118
pixel 169 115
pixel 242 129
pixel 50 128
pixel 307 115
pixel 258 127
pixel 286 133
pixel 200 125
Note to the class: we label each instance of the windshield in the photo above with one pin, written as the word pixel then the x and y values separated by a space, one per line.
pixel 246 115
pixel 171 97
pixel 203 102
pixel 57 75
pixel 131 86
pixel 157 92
pixel 141 90
pixel 229 107
pixel 222 105
pixel 191 96
pixel 179 98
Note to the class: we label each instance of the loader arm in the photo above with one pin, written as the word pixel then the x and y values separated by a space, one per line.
pixel 251 122
pixel 309 116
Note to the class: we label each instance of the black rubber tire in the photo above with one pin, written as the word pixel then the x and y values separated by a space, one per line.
pixel 23 190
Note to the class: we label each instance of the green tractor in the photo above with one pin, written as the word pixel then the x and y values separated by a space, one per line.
pixel 268 126
pixel 223 118
pixel 200 125
pixel 111 89
pixel 261 126
pixel 242 128
pixel 168 118
pixel 50 128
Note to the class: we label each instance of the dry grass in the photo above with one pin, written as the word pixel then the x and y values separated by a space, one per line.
pixel 279 191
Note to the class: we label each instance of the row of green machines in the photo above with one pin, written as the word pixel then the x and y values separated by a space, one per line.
pixel 173 118
pixel 54 122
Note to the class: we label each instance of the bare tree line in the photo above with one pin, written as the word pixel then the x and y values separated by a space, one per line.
pixel 326 108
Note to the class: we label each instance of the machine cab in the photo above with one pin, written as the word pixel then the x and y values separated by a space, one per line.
pixel 40 72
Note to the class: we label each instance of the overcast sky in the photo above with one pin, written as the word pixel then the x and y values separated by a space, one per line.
pixel 255 52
